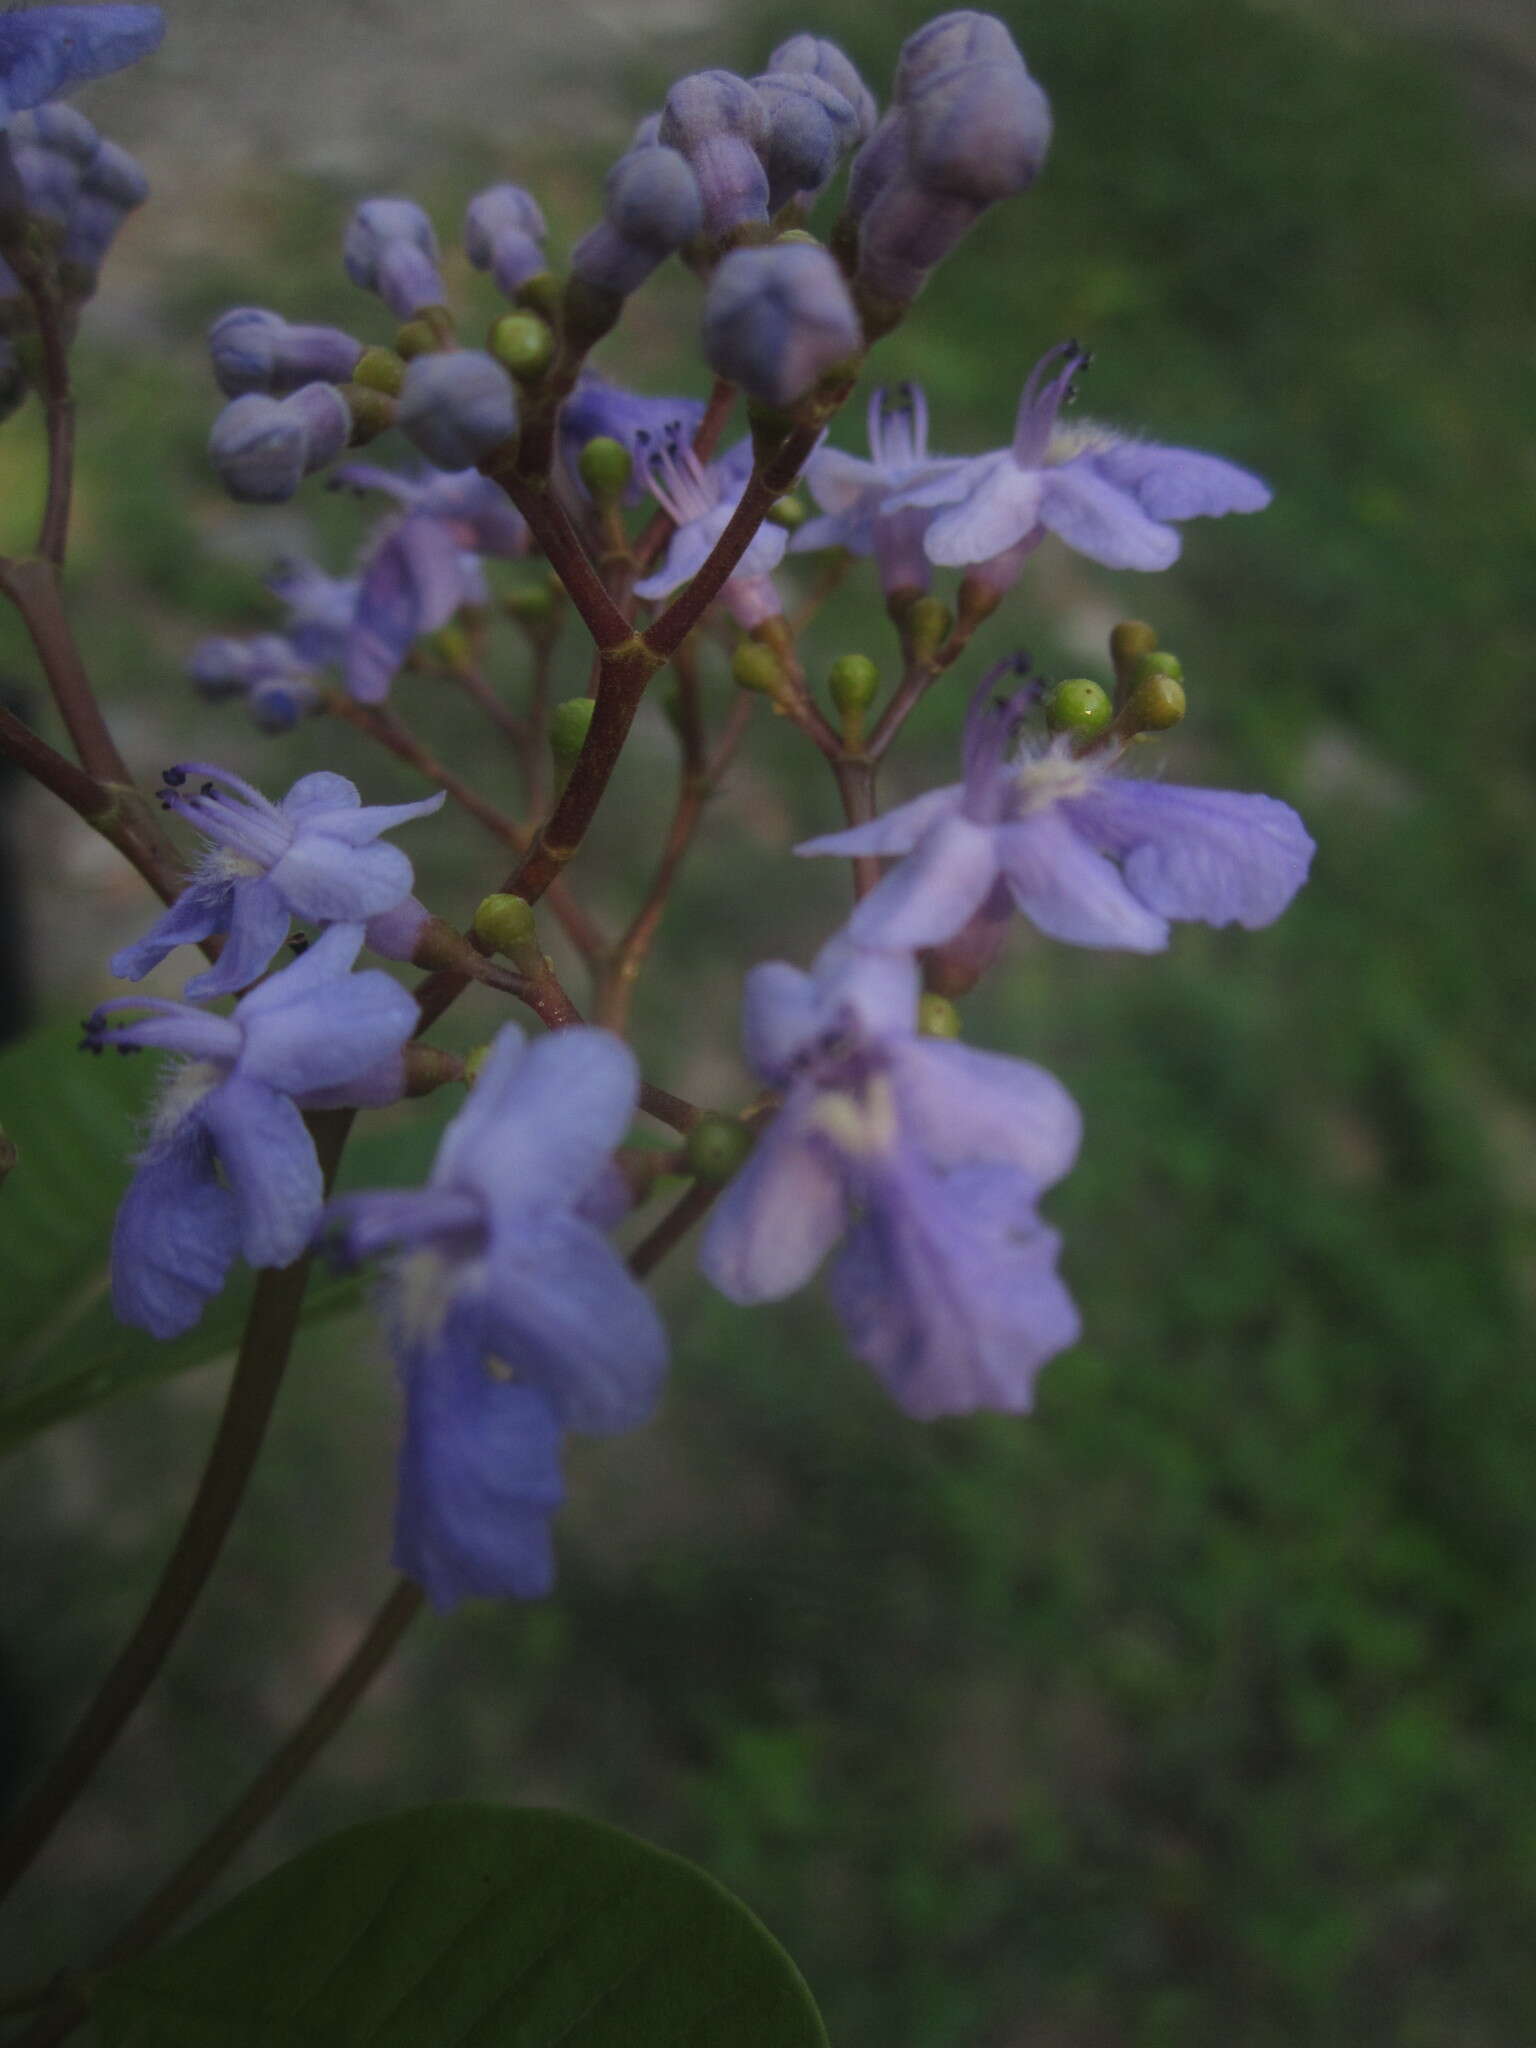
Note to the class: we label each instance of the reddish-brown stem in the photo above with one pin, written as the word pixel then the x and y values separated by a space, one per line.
pixel 562 550
pixel 694 1204
pixel 253 1387
pixel 856 786
pixel 915 681
pixel 623 969
pixel 480 694
pixel 32 585
pixel 102 809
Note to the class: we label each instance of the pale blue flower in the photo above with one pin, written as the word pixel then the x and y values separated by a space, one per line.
pixel 45 51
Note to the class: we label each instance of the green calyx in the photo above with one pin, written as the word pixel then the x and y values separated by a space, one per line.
pixel 606 468
pixel 1079 706
pixel 505 924
pixel 568 726
pixel 853 683
pixel 523 342
pixel 1156 703
pixel 380 369
pixel 716 1147
pixel 755 667
pixel 927 625
pixel 937 1017
pixel 789 512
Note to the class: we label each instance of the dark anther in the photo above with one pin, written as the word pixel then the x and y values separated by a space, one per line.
pixel 175 777
pixel 210 789
pixel 642 435
pixel 299 943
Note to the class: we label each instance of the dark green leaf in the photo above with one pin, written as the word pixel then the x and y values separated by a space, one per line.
pixel 470 1927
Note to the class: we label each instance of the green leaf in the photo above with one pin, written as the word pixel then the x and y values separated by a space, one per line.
pixel 75 1120
pixel 475 1926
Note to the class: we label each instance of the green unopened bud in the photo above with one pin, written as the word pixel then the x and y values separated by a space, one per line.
pixel 1157 661
pixel 372 411
pixel 380 369
pixel 1156 703
pixel 789 512
pixel 798 235
pixel 473 1062
pixel 716 1147
pixel 1079 706
pixel 568 724
pixel 853 683
pixel 937 1017
pixel 417 337
pixel 1129 641
pixel 541 294
pixel 606 467
pixel 533 606
pixel 505 924
pixel 927 622
pixel 523 342
pixel 756 667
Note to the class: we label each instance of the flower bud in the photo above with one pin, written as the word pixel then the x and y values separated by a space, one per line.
pixel 716 1147
pixel 950 40
pixel 877 163
pixel 925 626
pixel 605 467
pixel 1157 661
pixel 380 369
pixel 824 60
pixel 719 124
pixel 810 125
pixel 277 703
pixel 397 934
pixel 390 249
pixel 853 683
pixel 1079 706
pixel 113 185
pixel 778 318
pixel 937 1017
pixel 905 233
pixel 755 667
pixel 222 666
pixel 523 342
pixel 505 924
pixel 264 447
pixel 1156 703
pixel 651 207
pixel 978 133
pixel 503 233
pixel 254 350
pixel 457 407
pixel 790 511
pixel 1131 639
pixel 51 148
pixel 568 726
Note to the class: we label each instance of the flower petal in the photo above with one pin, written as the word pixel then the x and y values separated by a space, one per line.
pixel 933 893
pixel 779 1217
pixel 200 910
pixel 1101 521
pixel 258 925
pixel 46 51
pixel 269 1159
pixel 959 1106
pixel 361 827
pixel 175 1238
pixel 563 1311
pixel 1069 891
pixel 897 831
pixel 1210 854
pixel 329 882
pixel 1003 509
pixel 317 793
pixel 328 1033
pixel 1180 483
pixel 837 481
pixel 479 1478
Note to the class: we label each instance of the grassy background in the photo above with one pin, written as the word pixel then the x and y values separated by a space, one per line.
pixel 1199 1708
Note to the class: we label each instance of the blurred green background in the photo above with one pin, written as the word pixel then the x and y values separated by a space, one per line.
pixel 1200 1708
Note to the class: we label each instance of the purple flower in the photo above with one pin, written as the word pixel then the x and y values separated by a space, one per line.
pixel 716 121
pixel 811 125
pixel 52 149
pixel 477 512
pixel 638 422
pixel 651 207
pixel 457 407
pixel 278 687
pixel 45 51
pixel 390 248
pixel 824 60
pixel 112 186
pixel 254 350
pixel 933 1153
pixel 1089 857
pixel 320 609
pixel 855 496
pixel 700 501
pixel 263 448
pixel 778 318
pixel 503 233
pixel 510 1314
pixel 229 1165
pixel 1105 495
pixel 315 855
pixel 412 583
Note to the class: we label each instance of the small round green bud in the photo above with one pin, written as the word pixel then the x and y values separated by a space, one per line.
pixel 505 924
pixel 1155 704
pixel 417 337
pixel 1157 661
pixel 789 512
pixel 533 605
pixel 937 1017
pixel 798 235
pixel 716 1147
pixel 373 411
pixel 380 369
pixel 1079 706
pixel 927 622
pixel 568 724
pixel 606 467
pixel 1131 639
pixel 853 683
pixel 473 1062
pixel 756 667
pixel 523 342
